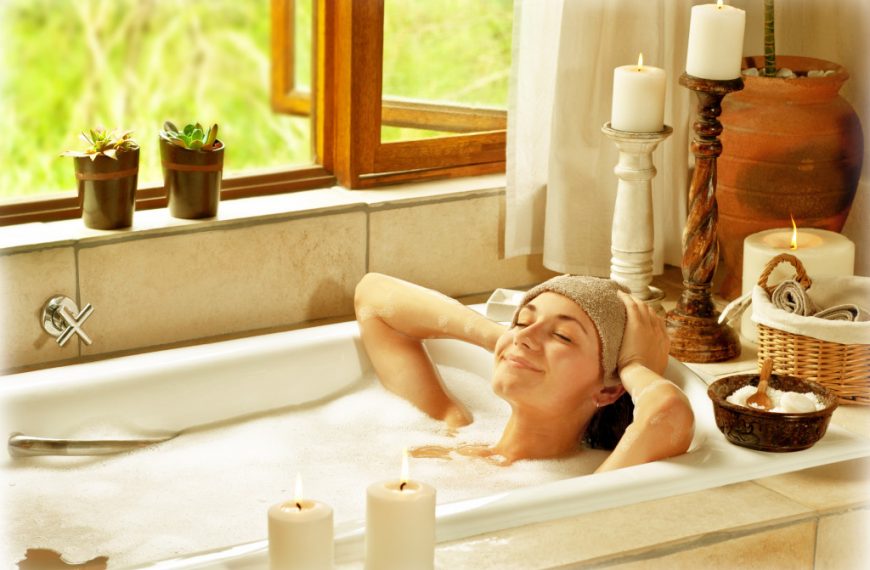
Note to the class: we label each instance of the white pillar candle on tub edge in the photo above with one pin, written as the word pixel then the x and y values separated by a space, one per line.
pixel 300 534
pixel 400 524
pixel 823 253
pixel 715 41
pixel 638 98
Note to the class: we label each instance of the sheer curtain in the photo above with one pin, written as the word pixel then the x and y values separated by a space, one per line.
pixel 560 182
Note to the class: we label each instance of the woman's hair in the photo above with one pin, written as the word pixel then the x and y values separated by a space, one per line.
pixel 609 423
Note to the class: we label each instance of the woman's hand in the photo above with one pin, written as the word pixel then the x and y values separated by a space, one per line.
pixel 645 340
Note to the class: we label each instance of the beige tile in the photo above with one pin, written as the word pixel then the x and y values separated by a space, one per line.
pixel 166 289
pixel 835 486
pixel 27 281
pixel 600 536
pixel 853 418
pixel 453 247
pixel 842 541
pixel 786 548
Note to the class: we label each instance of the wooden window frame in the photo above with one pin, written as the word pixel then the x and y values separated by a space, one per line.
pixel 347 114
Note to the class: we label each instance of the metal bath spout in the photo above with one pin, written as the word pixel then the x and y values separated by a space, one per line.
pixel 21 445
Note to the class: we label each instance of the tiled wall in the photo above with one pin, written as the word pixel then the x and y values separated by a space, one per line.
pixel 207 280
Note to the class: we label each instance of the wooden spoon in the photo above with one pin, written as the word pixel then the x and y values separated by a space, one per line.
pixel 760 399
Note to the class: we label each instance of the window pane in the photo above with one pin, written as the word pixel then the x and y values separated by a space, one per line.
pixel 68 65
pixel 454 52
pixel 302 28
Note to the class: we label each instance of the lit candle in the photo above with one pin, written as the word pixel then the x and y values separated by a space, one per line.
pixel 823 254
pixel 300 534
pixel 715 41
pixel 400 524
pixel 638 98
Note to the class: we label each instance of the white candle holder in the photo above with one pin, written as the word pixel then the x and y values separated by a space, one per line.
pixel 631 240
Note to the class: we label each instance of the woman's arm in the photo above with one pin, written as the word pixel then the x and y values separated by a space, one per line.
pixel 663 424
pixel 394 317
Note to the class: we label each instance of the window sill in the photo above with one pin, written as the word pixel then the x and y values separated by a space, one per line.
pixel 240 212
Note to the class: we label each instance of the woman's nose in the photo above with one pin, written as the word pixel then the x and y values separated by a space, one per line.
pixel 527 337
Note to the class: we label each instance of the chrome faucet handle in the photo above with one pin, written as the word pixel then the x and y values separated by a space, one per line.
pixel 62 319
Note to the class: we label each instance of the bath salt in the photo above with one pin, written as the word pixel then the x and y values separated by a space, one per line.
pixel 211 488
pixel 783 401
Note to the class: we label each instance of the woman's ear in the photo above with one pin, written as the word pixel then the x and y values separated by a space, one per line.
pixel 608 395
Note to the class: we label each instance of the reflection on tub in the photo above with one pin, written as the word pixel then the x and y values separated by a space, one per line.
pixel 309 403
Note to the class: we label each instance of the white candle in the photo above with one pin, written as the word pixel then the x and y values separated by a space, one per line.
pixel 400 524
pixel 715 41
pixel 300 534
pixel 823 254
pixel 638 98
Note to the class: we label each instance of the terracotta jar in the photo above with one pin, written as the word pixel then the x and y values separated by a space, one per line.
pixel 192 179
pixel 790 147
pixel 107 189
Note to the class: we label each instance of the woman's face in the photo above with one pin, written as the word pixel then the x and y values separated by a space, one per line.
pixel 550 361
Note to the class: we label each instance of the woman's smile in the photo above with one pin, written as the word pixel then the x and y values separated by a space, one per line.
pixel 519 362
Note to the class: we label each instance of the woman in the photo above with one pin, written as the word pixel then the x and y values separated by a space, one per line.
pixel 575 346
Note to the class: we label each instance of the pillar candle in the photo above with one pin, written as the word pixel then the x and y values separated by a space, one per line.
pixel 823 254
pixel 638 98
pixel 300 534
pixel 715 41
pixel 400 525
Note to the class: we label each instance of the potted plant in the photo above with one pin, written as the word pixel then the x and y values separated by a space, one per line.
pixel 106 172
pixel 791 146
pixel 193 162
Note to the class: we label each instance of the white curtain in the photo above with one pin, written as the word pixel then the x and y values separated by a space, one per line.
pixel 560 182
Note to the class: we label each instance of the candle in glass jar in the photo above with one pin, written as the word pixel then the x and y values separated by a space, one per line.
pixel 300 534
pixel 638 98
pixel 715 41
pixel 823 253
pixel 400 524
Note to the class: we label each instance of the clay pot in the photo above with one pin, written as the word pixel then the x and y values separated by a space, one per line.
pixel 107 189
pixel 192 179
pixel 789 147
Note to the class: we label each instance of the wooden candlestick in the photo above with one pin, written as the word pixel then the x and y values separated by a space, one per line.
pixel 631 239
pixel 692 325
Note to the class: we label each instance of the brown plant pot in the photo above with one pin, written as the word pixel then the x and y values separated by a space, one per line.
pixel 192 179
pixel 107 189
pixel 789 147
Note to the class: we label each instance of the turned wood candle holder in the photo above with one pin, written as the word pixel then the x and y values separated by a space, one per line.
pixel 692 325
pixel 631 239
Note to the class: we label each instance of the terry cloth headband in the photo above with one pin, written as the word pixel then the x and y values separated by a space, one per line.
pixel 598 298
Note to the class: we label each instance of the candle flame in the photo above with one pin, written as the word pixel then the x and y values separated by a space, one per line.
pixel 405 478
pixel 640 61
pixel 719 4
pixel 793 233
pixel 297 495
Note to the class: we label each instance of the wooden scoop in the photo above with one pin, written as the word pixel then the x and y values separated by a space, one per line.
pixel 759 398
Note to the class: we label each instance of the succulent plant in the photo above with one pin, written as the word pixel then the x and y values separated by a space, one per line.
pixel 104 142
pixel 192 137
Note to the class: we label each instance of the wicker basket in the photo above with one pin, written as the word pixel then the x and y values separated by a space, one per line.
pixel 844 368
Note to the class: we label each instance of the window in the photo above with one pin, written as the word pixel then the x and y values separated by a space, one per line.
pixel 251 66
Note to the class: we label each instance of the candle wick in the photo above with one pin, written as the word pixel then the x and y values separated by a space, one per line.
pixel 402 486
pixel 299 505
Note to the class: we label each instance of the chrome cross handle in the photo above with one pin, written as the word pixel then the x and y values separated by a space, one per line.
pixel 61 319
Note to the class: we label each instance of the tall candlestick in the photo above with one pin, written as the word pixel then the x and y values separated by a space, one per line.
pixel 638 98
pixel 693 327
pixel 300 534
pixel 400 524
pixel 631 238
pixel 823 254
pixel 715 41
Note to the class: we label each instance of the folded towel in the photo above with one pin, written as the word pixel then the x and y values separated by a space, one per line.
pixel 791 297
pixel 844 312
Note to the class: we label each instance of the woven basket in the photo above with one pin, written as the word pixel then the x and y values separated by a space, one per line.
pixel 843 368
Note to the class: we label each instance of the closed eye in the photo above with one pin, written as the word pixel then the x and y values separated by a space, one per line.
pixel 563 337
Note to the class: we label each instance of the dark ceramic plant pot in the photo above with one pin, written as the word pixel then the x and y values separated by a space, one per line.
pixel 790 147
pixel 192 179
pixel 107 189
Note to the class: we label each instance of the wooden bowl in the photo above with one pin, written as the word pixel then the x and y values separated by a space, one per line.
pixel 770 431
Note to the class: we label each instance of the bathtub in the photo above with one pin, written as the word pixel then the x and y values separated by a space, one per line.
pixel 203 389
